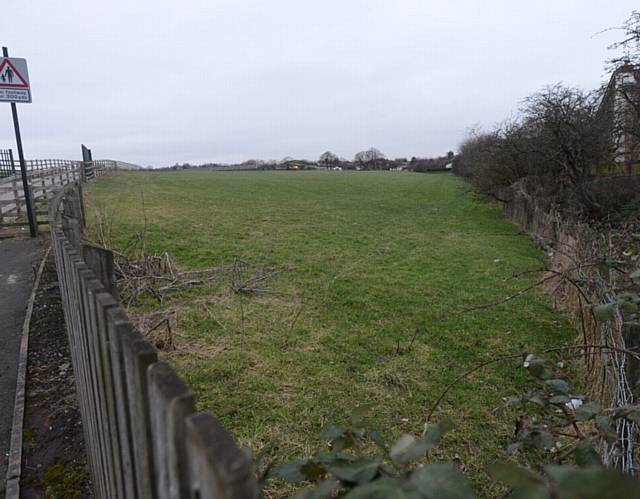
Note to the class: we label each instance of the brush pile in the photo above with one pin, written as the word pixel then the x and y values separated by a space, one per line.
pixel 157 275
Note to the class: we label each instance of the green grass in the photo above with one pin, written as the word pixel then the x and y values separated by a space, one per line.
pixel 367 258
pixel 61 481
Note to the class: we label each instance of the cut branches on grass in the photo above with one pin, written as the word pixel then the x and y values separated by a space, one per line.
pixel 157 275
pixel 247 279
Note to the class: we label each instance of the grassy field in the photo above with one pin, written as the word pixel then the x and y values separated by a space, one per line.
pixel 366 259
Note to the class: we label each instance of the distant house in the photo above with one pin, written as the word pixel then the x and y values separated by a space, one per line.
pixel 620 106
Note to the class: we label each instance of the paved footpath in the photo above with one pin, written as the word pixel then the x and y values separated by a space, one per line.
pixel 17 259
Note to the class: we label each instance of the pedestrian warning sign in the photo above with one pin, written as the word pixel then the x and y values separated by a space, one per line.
pixel 14 80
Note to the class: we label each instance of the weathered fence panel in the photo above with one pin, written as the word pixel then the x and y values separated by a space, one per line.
pixel 142 434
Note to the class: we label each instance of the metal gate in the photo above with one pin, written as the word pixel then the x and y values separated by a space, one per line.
pixel 7 166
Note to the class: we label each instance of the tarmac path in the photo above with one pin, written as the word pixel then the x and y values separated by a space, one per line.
pixel 17 260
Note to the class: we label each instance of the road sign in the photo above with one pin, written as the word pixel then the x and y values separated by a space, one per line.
pixel 14 80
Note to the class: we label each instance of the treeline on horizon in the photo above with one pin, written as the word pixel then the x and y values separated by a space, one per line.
pixel 371 159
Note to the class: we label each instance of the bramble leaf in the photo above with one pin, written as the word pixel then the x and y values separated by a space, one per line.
pixel 558 386
pixel 321 491
pixel 604 312
pixel 361 471
pixel 383 488
pixel 586 455
pixel 587 411
pixel 525 483
pixel 592 483
pixel 443 481
pixel 290 472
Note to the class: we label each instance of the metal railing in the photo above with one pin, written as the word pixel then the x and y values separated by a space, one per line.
pixel 7 166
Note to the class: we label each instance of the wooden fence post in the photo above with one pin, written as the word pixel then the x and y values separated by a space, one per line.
pixel 170 402
pixel 217 467
pixel 138 355
pixel 100 260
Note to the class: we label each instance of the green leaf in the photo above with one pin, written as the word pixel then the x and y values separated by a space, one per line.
pixel 558 386
pixel 312 470
pixel 604 312
pixel 332 433
pixel 321 491
pixel 513 475
pixel 441 481
pixel 538 438
pixel 628 307
pixel 289 471
pixel 559 400
pixel 434 433
pixel 604 424
pixel 537 367
pixel 359 414
pixel 635 274
pixel 587 411
pixel 414 450
pixel 402 445
pixel 586 455
pixel 592 483
pixel 525 483
pixel 408 448
pixel 537 398
pixel 334 457
pixel 360 472
pixel 383 488
pixel 377 439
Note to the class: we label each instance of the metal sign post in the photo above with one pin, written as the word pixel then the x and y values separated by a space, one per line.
pixel 14 87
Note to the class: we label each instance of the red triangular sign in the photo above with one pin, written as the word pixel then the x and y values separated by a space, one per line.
pixel 10 77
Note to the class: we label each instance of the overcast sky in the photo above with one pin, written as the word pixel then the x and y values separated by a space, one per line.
pixel 156 82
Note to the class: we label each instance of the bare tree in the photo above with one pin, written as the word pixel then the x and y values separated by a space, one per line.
pixel 371 159
pixel 556 144
pixel 568 135
pixel 630 44
pixel 328 160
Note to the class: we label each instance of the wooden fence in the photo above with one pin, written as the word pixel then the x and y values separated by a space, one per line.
pixel 143 437
pixel 46 177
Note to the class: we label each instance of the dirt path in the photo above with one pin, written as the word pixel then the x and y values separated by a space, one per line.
pixel 17 258
pixel 54 464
